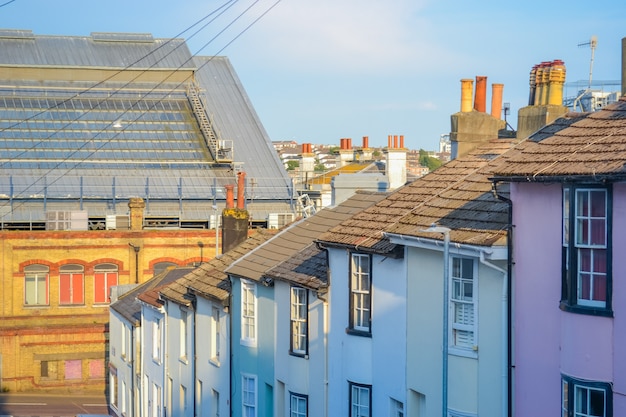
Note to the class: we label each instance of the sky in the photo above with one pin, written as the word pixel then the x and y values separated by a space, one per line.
pixel 321 70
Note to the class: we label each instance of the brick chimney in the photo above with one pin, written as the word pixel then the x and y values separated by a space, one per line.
pixel 136 206
pixel 346 153
pixel 395 157
pixel 546 85
pixel 307 159
pixel 235 220
pixel 470 128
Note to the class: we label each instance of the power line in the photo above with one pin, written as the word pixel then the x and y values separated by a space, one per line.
pixel 8 2
pixel 149 92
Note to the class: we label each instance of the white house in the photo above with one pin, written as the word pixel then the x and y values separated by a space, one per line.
pixel 387 290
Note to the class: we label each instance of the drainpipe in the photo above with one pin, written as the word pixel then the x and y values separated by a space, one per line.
pixel 137 249
pixel 509 279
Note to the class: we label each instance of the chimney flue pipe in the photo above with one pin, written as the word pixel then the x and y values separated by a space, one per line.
pixel 467 86
pixel 496 100
pixel 480 98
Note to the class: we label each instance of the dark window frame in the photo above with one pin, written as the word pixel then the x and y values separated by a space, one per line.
pixel 572 383
pixel 569 255
pixel 303 396
pixel 350 403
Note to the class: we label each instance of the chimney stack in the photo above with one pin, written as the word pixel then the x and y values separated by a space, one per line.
pixel 307 158
pixel 395 162
pixel 230 196
pixel 467 86
pixel 496 100
pixel 480 97
pixel 545 98
pixel 346 153
pixel 556 80
pixel 241 188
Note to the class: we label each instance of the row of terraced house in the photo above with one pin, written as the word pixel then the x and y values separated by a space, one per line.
pixel 489 287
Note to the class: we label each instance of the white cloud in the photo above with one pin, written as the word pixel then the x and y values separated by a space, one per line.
pixel 347 36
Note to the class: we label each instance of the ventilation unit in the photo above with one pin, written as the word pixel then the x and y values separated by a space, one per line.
pixel 67 220
pixel 116 222
pixel 278 220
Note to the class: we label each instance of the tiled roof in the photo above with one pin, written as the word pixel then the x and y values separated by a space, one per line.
pixel 209 280
pixel 456 195
pixel 298 236
pixel 350 168
pixel 307 268
pixel 591 145
pixel 147 292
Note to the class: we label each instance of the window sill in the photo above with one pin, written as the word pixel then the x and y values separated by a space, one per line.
pixel 299 355
pixel 590 311
pixel 215 362
pixel 71 305
pixel 466 353
pixel 36 305
pixel 184 360
pixel 360 333
pixel 248 342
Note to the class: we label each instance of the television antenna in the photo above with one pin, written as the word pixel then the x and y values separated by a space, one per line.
pixel 593 43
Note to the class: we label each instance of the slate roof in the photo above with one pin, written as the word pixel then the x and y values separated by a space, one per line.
pixel 209 279
pixel 308 268
pixel 298 236
pixel 127 304
pixel 591 146
pixel 456 195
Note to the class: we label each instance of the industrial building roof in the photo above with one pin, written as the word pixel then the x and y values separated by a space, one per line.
pixel 101 117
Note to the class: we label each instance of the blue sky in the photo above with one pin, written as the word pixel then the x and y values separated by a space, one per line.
pixel 320 70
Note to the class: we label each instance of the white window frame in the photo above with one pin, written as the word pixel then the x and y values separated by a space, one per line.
pixel 396 408
pixel 458 285
pixel 299 320
pixel 360 297
pixel 184 316
pixel 295 403
pixel 358 406
pixel 249 397
pixel 248 313
pixel 215 335
pixel 156 339
pixel 34 276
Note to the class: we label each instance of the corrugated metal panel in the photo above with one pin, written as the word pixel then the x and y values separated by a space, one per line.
pixel 70 140
pixel 18 48
pixel 236 120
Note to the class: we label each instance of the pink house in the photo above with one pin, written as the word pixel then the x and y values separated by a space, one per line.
pixel 568 200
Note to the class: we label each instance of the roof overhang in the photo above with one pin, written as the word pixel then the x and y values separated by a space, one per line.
pixel 495 253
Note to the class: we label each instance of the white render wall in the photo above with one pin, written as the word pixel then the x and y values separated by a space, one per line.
pixel 179 367
pixel 215 375
pixel 378 360
pixel 153 371
pixel 296 374
pixel 123 364
pixel 474 379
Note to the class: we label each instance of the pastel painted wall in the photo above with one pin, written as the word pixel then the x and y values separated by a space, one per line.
pixel 153 369
pixel 300 375
pixel 214 373
pixel 179 364
pixel 475 383
pixel 378 360
pixel 550 342
pixel 256 359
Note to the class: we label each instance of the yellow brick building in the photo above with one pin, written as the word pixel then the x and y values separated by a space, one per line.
pixel 116 151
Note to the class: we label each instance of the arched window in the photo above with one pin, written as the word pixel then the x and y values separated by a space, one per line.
pixel 162 266
pixel 105 277
pixel 71 284
pixel 36 281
